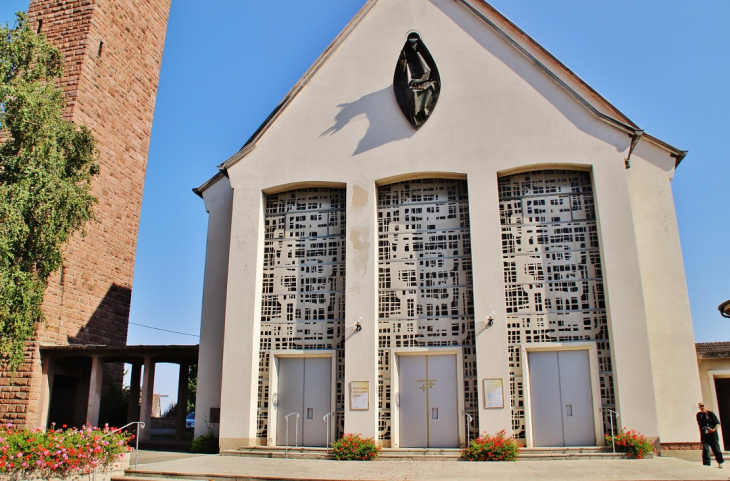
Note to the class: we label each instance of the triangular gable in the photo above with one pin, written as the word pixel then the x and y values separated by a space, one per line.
pixel 587 97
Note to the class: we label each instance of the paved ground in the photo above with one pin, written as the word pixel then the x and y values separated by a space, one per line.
pixel 150 457
pixel 231 467
pixel 694 456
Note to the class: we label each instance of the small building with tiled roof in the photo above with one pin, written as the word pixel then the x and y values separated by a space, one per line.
pixel 713 359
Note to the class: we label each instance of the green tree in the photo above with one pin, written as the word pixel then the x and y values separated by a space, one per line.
pixel 46 166
pixel 192 387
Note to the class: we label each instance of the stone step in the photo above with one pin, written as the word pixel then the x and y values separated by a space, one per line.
pixel 410 454
pixel 161 477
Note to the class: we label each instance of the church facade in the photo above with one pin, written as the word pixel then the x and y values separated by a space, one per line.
pixel 442 231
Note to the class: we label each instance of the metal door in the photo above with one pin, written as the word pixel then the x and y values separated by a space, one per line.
pixel 575 389
pixel 317 399
pixel 304 388
pixel 547 425
pixel 290 398
pixel 561 398
pixel 427 401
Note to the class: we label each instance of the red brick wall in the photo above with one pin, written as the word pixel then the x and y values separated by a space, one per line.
pixel 112 91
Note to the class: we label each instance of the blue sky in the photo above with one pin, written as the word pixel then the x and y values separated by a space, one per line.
pixel 227 64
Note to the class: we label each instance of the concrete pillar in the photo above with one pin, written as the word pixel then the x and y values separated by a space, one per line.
pixel 491 346
pixel 133 408
pixel 361 304
pixel 218 203
pixel 44 403
pixel 148 389
pixel 95 379
pixel 182 401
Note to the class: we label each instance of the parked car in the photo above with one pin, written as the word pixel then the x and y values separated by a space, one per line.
pixel 190 422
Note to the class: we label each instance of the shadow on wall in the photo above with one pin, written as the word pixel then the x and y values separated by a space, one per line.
pixel 70 384
pixel 386 122
pixel 108 325
pixel 560 98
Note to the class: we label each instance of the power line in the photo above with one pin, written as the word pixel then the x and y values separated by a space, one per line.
pixel 166 330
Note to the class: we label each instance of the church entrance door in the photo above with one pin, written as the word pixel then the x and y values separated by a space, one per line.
pixel 428 401
pixel 561 398
pixel 305 388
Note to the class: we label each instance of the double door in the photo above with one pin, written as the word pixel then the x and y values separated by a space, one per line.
pixel 561 398
pixel 428 401
pixel 304 388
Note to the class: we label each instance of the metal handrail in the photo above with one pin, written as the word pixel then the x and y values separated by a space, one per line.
pixel 296 434
pixel 468 425
pixel 610 417
pixel 324 418
pixel 140 424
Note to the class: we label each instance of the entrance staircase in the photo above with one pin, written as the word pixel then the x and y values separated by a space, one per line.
pixel 425 454
pixel 149 473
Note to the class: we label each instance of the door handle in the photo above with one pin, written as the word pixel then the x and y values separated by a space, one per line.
pixel 434 413
pixel 568 409
pixel 310 413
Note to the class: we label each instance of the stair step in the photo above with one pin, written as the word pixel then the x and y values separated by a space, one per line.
pixel 445 454
pixel 156 477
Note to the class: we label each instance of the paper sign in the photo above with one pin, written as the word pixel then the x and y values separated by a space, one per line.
pixel 493 394
pixel 360 395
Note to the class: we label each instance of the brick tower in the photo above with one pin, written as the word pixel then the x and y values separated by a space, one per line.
pixel 113 53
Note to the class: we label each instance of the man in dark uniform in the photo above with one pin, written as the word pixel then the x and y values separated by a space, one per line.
pixel 708 423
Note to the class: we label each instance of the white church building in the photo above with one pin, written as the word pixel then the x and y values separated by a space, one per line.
pixel 442 231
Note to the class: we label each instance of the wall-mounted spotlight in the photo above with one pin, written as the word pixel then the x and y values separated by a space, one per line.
pixel 358 327
pixel 490 319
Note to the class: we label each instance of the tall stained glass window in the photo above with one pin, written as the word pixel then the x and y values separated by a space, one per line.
pixel 303 297
pixel 552 271
pixel 425 279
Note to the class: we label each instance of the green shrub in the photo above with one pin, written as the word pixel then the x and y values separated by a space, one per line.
pixel 492 448
pixel 631 443
pixel 206 443
pixel 61 453
pixel 353 446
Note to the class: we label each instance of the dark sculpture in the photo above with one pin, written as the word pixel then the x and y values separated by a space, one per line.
pixel 416 81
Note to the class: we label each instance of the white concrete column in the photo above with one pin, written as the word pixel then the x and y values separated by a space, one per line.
pixel 489 299
pixel 361 304
pixel 239 387
pixel 148 389
pixel 627 323
pixel 95 380
pixel 668 314
pixel 46 386
pixel 219 204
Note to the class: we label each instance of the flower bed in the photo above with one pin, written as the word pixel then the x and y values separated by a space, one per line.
pixel 59 453
pixel 631 443
pixel 354 447
pixel 492 448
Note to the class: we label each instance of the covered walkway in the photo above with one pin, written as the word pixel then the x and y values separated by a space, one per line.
pixel 78 373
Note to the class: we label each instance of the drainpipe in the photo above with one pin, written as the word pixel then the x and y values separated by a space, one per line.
pixel 634 140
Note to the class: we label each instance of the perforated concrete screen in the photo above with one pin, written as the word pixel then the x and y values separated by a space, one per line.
pixel 425 279
pixel 303 300
pixel 552 271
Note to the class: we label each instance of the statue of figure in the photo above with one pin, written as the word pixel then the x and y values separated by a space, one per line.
pixel 416 81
